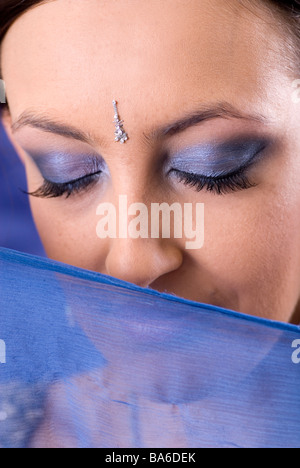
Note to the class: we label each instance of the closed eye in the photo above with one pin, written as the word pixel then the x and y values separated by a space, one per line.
pixel 219 185
pixel 214 167
pixel 54 190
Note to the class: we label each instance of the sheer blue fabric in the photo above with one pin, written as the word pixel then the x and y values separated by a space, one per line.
pixel 91 361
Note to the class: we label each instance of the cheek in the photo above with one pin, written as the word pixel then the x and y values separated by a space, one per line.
pixel 252 251
pixel 69 234
pixel 67 228
pixel 252 246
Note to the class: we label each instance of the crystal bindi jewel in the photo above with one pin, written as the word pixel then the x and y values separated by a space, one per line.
pixel 120 134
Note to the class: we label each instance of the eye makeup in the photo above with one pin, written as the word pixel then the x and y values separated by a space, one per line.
pixel 60 167
pixel 217 159
pixel 66 173
pixel 218 167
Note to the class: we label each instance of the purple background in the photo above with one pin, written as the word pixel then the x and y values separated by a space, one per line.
pixel 17 229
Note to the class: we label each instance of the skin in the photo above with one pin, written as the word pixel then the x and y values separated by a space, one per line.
pixel 162 61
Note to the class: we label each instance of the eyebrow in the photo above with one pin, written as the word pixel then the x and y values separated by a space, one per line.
pixel 219 110
pixel 208 112
pixel 46 124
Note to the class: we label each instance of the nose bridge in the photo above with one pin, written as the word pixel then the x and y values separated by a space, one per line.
pixel 135 180
pixel 134 165
pixel 134 255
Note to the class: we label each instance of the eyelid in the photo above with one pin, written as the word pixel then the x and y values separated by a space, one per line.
pixel 54 190
pixel 217 160
pixel 73 181
pixel 225 181
pixel 60 168
pixel 219 186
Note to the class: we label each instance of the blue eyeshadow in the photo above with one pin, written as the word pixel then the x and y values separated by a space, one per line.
pixel 211 159
pixel 59 167
pixel 216 159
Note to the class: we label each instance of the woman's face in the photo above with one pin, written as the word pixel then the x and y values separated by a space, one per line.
pixel 64 63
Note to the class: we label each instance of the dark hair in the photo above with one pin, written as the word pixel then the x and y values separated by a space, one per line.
pixel 10 10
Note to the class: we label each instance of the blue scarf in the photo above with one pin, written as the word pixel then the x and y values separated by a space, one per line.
pixel 87 361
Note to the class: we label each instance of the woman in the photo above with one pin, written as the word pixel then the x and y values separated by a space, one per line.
pixel 164 102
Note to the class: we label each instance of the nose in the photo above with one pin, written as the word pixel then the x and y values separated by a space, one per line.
pixel 142 261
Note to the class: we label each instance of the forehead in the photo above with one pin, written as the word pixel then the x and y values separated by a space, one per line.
pixel 155 56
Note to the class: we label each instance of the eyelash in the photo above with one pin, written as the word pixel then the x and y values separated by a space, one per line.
pixel 53 190
pixel 220 185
